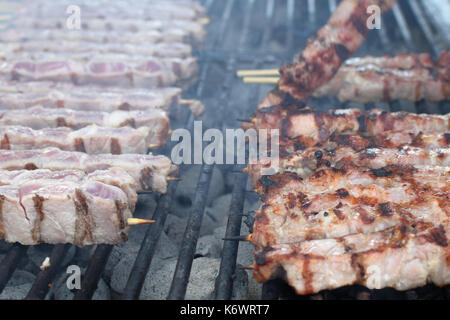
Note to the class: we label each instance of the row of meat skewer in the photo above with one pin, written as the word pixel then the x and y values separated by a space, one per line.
pixel 356 197
pixel 79 110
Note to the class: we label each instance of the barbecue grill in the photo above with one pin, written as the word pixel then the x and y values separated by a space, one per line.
pixel 250 34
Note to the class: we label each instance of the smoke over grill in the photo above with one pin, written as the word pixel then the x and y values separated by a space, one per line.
pixel 182 255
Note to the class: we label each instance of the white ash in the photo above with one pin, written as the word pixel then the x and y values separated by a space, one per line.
pixel 216 215
pixel 165 250
pixel 240 284
pixel 18 286
pixel 174 228
pixel 5 246
pixel 201 282
pixel 209 246
pixel 186 189
pixel 37 254
pixel 60 291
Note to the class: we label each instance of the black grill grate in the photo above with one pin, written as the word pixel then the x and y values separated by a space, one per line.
pixel 250 34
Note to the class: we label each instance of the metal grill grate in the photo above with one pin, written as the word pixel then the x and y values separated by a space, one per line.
pixel 249 34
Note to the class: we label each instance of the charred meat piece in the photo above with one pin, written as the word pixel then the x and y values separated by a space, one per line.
pixel 333 203
pixel 403 257
pixel 404 77
pixel 318 126
pixel 332 45
pixel 307 161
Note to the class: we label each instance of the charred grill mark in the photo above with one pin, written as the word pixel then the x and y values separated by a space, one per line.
pixel 120 208
pixel 342 51
pixel 339 214
pixel 128 123
pixel 36 230
pixel 84 224
pixel 61 122
pixel 385 209
pixel 438 235
pixel 115 146
pixel 307 275
pixel 146 178
pixel 447 138
pixel 365 217
pixel 358 20
pixel 302 197
pixel 30 166
pixel 60 103
pixel 4 143
pixel 291 200
pixel 382 172
pixel 318 154
pixel 262 219
pixel 342 193
pixel 266 182
pixel 79 145
pixel 358 267
pixel 125 106
pixel 2 225
pixel 367 155
pixel 260 257
pixel 362 123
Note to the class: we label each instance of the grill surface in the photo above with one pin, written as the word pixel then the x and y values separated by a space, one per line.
pixel 251 34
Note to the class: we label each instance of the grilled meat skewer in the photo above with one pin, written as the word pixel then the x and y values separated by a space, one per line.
pixel 332 45
pixel 64 208
pixel 147 73
pixel 319 126
pixel 308 161
pixel 91 139
pixel 332 203
pixel 39 118
pixel 150 172
pixel 407 76
pixel 403 257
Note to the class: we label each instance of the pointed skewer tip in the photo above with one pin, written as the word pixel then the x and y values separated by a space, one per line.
pixel 173 179
pixel 136 221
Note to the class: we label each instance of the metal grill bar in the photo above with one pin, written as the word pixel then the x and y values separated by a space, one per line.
pixel 148 247
pixel 312 11
pixel 425 27
pixel 189 244
pixel 224 282
pixel 94 272
pixel 10 262
pixel 43 281
pixel 401 21
pixel 290 10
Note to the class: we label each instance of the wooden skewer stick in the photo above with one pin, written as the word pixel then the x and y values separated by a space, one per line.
pixel 263 72
pixel 204 20
pixel 249 267
pixel 260 80
pixel 187 101
pixel 136 221
pixel 173 179
pixel 153 145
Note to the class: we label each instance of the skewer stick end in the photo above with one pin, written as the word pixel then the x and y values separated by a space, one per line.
pixel 136 221
pixel 173 179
